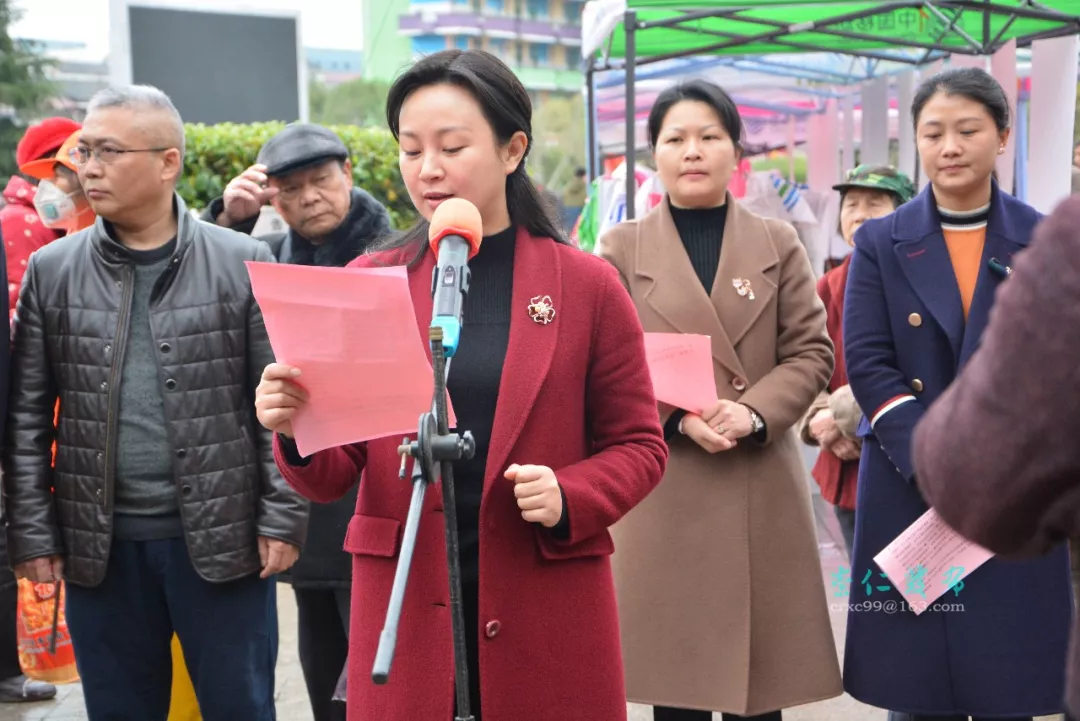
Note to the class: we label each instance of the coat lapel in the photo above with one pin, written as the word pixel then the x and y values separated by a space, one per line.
pixel 924 259
pixel 537 272
pixel 745 256
pixel 1003 241
pixel 675 292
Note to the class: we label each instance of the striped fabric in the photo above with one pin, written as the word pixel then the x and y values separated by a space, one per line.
pixel 888 406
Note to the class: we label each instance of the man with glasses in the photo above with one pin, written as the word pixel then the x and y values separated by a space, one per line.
pixel 306 173
pixel 165 511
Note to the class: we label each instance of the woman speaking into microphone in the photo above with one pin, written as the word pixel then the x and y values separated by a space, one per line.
pixel 551 379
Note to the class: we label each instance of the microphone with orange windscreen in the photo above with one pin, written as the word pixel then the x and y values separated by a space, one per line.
pixel 455 235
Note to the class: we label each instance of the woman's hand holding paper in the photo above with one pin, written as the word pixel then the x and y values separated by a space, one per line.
pixel 278 397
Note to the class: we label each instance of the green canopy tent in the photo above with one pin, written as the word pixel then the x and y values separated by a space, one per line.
pixel 625 34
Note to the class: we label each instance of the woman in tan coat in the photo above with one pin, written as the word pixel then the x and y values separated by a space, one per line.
pixel 721 598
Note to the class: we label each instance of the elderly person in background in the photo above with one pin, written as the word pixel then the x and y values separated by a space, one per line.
pixel 867 192
pixel 306 173
pixel 997 455
pixel 165 511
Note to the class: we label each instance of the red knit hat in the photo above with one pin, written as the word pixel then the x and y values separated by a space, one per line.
pixel 43 140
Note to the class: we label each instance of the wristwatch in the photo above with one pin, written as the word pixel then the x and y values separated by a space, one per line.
pixel 757 424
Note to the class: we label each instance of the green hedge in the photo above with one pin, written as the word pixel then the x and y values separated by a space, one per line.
pixel 218 153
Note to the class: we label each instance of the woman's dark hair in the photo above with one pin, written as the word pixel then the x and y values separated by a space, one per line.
pixel 971 83
pixel 701 91
pixel 506 105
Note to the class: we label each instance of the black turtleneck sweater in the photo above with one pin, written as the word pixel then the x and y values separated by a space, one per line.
pixel 701 231
pixel 475 372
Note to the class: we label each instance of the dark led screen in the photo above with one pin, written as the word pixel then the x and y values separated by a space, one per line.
pixel 218 67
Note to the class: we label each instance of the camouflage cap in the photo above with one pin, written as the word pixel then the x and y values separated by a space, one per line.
pixel 879 177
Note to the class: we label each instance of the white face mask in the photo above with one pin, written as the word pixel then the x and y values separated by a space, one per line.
pixel 55 207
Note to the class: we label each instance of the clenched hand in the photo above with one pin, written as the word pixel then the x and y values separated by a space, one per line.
pixel 537 492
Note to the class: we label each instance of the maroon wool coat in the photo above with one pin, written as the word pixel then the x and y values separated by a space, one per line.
pixel 575 396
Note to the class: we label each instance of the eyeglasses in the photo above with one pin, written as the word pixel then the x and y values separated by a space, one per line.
pixel 80 155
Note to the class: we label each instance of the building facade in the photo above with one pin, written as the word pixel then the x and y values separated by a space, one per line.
pixel 539 39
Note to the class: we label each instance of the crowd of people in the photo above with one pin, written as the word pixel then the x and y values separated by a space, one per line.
pixel 613 549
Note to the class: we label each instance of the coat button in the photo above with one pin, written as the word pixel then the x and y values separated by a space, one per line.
pixel 738 384
pixel 104 386
pixel 917 385
pixel 186 490
pixel 182 453
pixel 915 320
pixel 165 347
pixel 108 349
pixel 170 384
pixel 491 630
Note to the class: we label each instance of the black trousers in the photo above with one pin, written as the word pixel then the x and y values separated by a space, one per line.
pixel 9 604
pixel 323 620
pixel 666 713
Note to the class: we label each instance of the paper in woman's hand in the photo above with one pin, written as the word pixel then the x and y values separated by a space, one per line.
pixel 681 366
pixel 352 333
pixel 928 559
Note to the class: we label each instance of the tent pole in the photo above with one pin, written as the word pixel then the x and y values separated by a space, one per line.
pixel 590 121
pixel 630 26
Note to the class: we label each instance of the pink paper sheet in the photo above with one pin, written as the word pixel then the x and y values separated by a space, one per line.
pixel 352 333
pixel 681 366
pixel 928 559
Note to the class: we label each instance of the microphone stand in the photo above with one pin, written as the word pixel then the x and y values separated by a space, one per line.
pixel 434 451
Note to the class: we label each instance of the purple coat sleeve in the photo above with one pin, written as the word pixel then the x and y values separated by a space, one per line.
pixel 998 455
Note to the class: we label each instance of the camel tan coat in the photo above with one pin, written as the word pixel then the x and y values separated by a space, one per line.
pixel 722 604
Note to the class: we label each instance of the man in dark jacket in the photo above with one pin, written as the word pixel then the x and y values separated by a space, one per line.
pixel 165 510
pixel 998 455
pixel 305 172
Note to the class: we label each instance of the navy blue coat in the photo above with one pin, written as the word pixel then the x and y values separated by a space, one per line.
pixel 905 338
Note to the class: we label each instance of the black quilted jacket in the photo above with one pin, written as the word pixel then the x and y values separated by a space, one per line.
pixel 69 337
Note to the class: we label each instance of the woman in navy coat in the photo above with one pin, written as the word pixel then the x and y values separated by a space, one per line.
pixel 920 291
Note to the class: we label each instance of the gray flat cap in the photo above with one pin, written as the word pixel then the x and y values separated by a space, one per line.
pixel 298 146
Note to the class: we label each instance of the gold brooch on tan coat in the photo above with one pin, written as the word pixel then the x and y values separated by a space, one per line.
pixel 742 285
pixel 541 310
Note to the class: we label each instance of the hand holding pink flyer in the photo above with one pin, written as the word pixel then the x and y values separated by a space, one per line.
pixel 352 332
pixel 928 559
